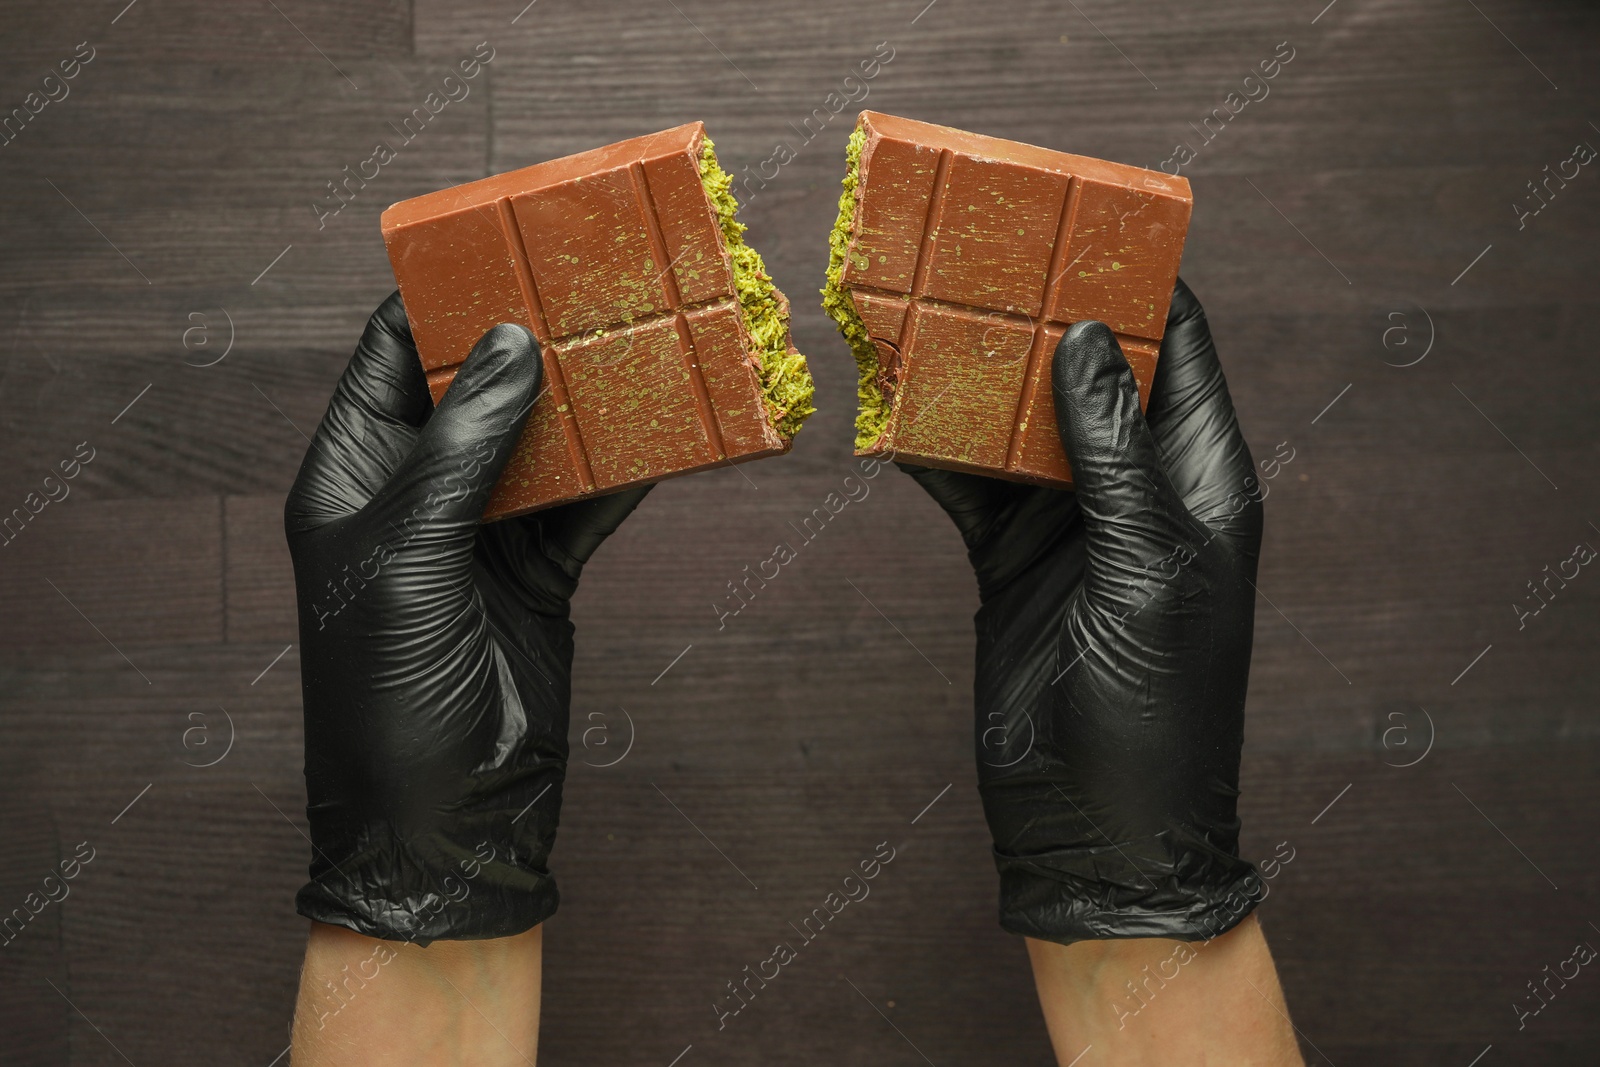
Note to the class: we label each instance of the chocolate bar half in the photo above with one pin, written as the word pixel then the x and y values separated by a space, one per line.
pixel 665 344
pixel 957 263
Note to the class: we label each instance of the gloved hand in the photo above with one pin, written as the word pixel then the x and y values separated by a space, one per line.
pixel 1114 649
pixel 436 653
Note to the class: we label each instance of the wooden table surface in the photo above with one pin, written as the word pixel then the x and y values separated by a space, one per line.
pixel 1360 215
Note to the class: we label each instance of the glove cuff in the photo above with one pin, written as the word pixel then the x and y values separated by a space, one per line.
pixel 1065 896
pixel 430 890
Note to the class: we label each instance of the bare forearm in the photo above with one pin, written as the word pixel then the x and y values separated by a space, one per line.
pixel 391 1004
pixel 1151 1001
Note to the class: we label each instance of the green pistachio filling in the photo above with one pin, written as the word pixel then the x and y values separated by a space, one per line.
pixel 786 383
pixel 873 413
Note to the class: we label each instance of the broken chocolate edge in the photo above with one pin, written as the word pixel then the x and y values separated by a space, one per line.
pixel 872 415
pixel 786 383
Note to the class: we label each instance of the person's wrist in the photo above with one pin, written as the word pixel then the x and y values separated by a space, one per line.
pixel 392 1003
pixel 1146 1001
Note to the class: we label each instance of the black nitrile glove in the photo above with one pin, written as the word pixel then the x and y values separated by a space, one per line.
pixel 436 653
pixel 1114 649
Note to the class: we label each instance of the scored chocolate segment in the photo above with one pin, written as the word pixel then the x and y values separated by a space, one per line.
pixel 887 238
pixel 615 260
pixel 693 245
pixel 959 385
pixel 732 386
pixel 1121 259
pixel 483 263
pixel 996 247
pixel 589 249
pixel 992 240
pixel 655 412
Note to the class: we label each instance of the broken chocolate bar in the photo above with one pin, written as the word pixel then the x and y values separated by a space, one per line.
pixel 665 344
pixel 958 261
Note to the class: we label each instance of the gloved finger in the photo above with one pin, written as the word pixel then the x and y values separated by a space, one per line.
pixel 543 554
pixel 971 500
pixel 576 530
pixel 1132 515
pixel 370 425
pixel 1007 527
pixel 1192 416
pixel 445 481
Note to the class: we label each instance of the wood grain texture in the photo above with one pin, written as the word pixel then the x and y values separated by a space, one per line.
pixel 806 729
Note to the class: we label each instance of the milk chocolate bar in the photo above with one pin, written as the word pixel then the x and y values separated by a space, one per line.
pixel 957 263
pixel 665 344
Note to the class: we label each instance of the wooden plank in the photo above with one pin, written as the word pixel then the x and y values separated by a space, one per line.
pixel 31 960
pixel 258 577
pixel 192 29
pixel 86 575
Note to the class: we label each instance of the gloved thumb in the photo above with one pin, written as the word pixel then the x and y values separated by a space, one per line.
pixel 446 479
pixel 1132 515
